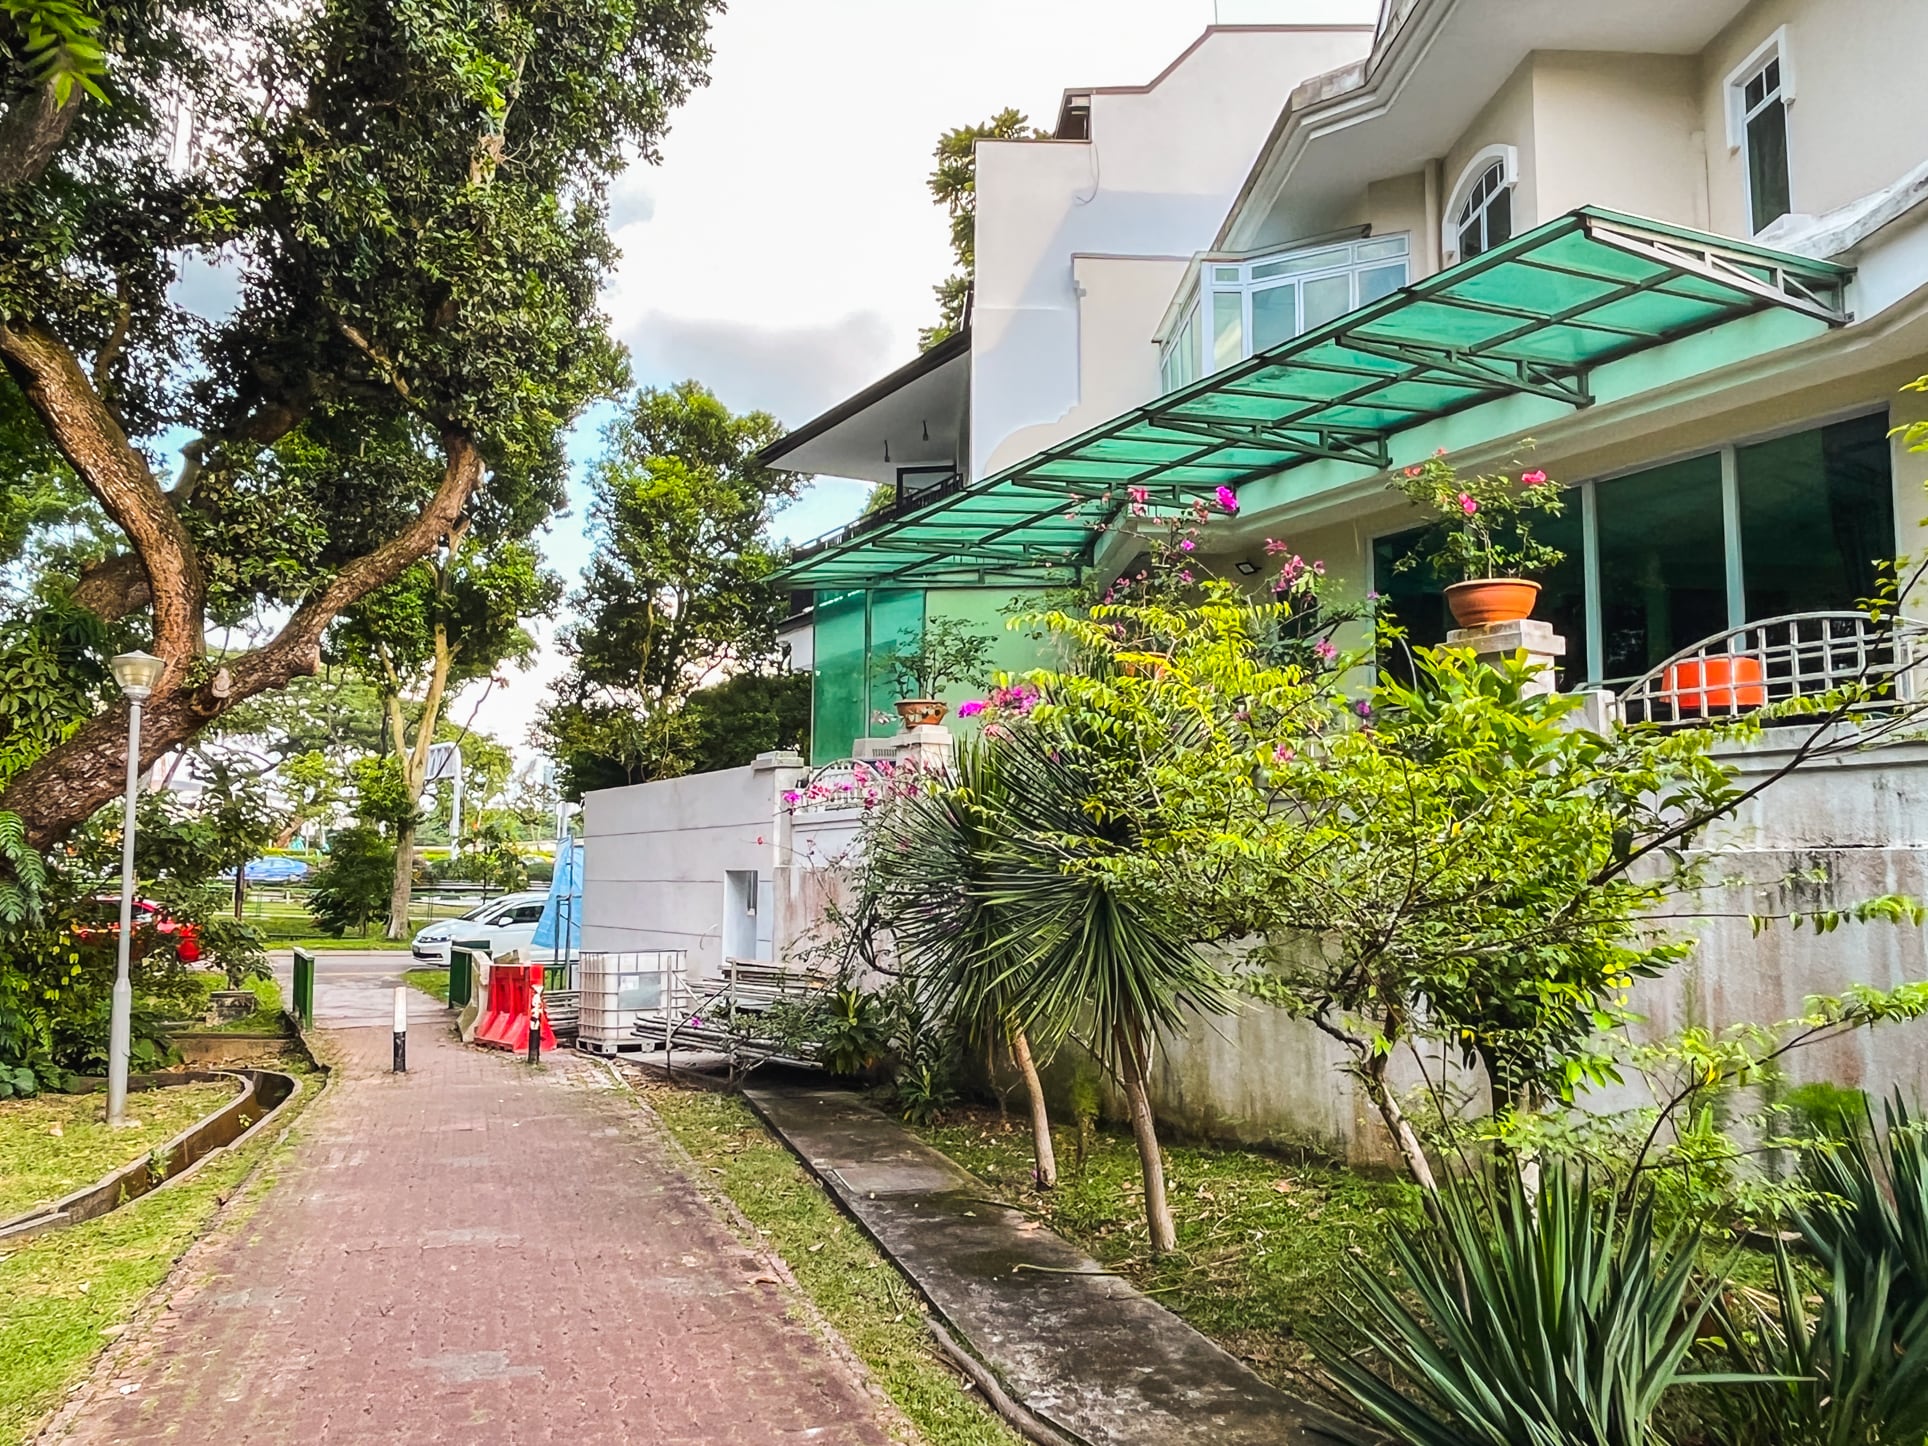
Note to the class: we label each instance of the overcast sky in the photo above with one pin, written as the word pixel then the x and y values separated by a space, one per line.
pixel 783 252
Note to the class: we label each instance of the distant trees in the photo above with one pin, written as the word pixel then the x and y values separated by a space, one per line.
pixel 678 597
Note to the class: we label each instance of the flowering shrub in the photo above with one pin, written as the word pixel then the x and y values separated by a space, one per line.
pixel 1485 522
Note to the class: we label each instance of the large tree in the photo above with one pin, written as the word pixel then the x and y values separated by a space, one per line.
pixel 411 199
pixel 953 185
pixel 679 593
pixel 450 619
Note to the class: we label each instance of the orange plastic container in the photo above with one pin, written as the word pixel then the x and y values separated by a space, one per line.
pixel 1717 685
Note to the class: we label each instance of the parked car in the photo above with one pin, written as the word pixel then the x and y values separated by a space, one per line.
pixel 508 922
pixel 98 921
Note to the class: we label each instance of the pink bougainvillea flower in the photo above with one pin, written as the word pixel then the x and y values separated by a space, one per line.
pixel 971 708
pixel 1362 708
pixel 1139 494
pixel 1326 651
pixel 1283 754
pixel 1272 545
pixel 1227 499
pixel 1534 478
pixel 1185 576
pixel 791 798
pixel 1185 544
pixel 1414 471
pixel 1467 504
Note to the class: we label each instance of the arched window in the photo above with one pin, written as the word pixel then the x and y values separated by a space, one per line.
pixel 1481 214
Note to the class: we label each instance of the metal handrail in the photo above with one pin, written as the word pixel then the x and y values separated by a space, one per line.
pixel 1778 660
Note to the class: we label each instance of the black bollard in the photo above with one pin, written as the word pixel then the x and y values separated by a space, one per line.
pixel 535 1014
pixel 401 1030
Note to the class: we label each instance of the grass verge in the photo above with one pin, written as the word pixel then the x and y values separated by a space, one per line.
pixel 66 1294
pixel 430 981
pixel 267 1017
pixel 1262 1239
pixel 859 1292
pixel 53 1144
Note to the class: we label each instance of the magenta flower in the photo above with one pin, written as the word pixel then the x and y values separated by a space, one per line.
pixel 1139 494
pixel 1534 478
pixel 1282 754
pixel 1325 650
pixel 1228 499
pixel 1185 544
pixel 1362 708
pixel 791 798
pixel 971 709
pixel 1467 504
pixel 1272 545
pixel 1185 576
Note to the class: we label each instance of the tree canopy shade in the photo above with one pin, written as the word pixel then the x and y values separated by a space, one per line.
pixel 410 194
pixel 679 593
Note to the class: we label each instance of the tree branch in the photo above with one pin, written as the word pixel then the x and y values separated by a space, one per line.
pixel 31 132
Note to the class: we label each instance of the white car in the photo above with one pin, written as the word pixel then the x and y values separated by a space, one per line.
pixel 508 922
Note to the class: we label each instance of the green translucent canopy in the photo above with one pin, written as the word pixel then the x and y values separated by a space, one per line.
pixel 1535 316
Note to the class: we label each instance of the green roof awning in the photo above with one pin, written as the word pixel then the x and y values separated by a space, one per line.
pixel 1535 317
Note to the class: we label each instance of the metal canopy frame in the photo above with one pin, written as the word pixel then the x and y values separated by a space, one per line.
pixel 1534 316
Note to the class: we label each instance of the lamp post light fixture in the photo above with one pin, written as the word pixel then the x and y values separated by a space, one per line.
pixel 137 673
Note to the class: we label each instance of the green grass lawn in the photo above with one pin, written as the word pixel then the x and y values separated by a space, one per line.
pixel 861 1294
pixel 66 1293
pixel 54 1144
pixel 1262 1240
pixel 267 1017
pixel 287 924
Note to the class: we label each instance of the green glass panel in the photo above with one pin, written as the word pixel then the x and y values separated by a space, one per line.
pixel 837 702
pixel 896 621
pixel 1663 564
pixel 1817 512
pixel 1767 187
pixel 1275 316
pixel 1228 328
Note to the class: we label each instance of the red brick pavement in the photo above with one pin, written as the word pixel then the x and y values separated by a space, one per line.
pixel 479 1253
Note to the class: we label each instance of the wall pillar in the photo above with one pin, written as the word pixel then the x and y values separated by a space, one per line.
pixel 1496 643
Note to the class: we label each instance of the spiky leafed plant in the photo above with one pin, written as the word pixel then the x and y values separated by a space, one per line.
pixel 1095 955
pixel 925 874
pixel 1852 1369
pixel 1523 1323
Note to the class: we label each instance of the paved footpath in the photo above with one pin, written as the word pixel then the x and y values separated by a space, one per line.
pixel 476 1252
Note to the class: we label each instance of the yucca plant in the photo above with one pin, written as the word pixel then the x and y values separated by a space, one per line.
pixel 1516 1322
pixel 1850 1362
pixel 925 875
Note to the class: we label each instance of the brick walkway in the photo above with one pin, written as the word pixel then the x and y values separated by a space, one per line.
pixel 476 1253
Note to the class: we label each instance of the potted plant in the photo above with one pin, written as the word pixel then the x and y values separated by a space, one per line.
pixel 948 651
pixel 1484 536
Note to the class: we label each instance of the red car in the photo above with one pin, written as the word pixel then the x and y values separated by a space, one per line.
pixel 102 921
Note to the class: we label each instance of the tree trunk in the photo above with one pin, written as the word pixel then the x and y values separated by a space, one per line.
pixel 1158 1210
pixel 398 895
pixel 1404 1138
pixel 1041 1147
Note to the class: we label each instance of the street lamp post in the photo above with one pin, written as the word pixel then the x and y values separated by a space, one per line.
pixel 137 673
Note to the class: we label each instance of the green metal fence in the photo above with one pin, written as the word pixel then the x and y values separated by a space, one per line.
pixel 462 970
pixel 304 1001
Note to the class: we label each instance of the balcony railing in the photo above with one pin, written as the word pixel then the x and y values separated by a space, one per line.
pixel 1782 660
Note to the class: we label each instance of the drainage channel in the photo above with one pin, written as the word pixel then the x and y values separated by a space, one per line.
pixel 263 1092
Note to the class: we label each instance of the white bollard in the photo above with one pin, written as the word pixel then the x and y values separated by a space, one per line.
pixel 401 1029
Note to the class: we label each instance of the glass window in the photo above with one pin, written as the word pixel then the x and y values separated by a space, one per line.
pixel 1228 328
pixel 838 702
pixel 1663 563
pixel 1378 281
pixel 1764 138
pixel 1275 316
pixel 1817 511
pixel 1325 298
pixel 1485 218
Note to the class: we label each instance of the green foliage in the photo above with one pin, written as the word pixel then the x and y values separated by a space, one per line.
pixel 947 651
pixel 1854 1370
pixel 1485 526
pixel 854 1036
pixel 351 887
pixel 679 593
pixel 54 43
pixel 953 185
pixel 53 675
pixel 491 858
pixel 1509 1322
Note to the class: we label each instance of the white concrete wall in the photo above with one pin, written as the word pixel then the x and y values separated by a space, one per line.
pixel 656 857
pixel 1154 180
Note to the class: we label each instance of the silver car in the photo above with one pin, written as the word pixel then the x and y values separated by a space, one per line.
pixel 505 923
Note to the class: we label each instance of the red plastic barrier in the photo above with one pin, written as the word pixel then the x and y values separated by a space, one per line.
pixel 1717 684
pixel 506 1025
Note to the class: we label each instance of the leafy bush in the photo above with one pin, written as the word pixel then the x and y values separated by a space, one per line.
pixel 854 1037
pixel 1522 1322
pixel 353 886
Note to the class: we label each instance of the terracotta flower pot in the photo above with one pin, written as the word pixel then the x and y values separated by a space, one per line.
pixel 1491 600
pixel 916 712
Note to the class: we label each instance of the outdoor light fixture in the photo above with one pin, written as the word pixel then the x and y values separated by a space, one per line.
pixel 137 673
pixel 1246 569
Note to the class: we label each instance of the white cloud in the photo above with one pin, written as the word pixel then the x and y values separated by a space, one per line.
pixel 794 371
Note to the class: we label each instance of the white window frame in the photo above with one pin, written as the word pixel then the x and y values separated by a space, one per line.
pixel 1470 175
pixel 1734 92
pixel 1197 309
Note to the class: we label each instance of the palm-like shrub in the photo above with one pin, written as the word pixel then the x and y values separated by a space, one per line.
pixel 1851 1369
pixel 1517 1322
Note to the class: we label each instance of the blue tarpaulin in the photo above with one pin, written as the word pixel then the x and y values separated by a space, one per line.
pixel 561 924
pixel 275 870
